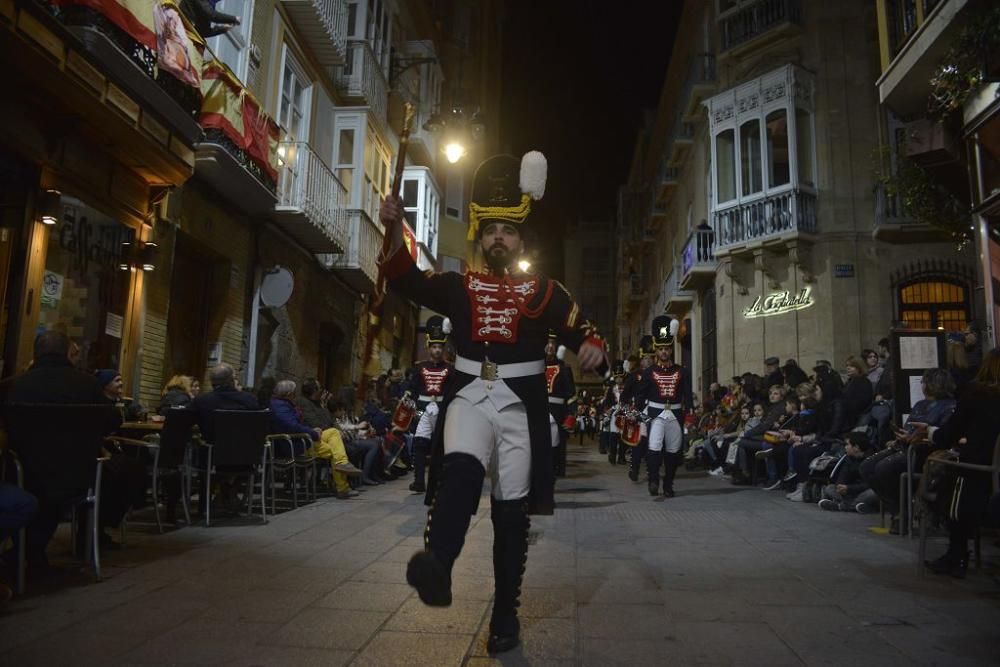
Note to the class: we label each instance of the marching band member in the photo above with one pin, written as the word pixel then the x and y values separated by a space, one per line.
pixel 494 414
pixel 630 395
pixel 610 405
pixel 666 390
pixel 427 386
pixel 562 401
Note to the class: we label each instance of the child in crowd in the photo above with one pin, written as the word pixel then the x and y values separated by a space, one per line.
pixel 847 492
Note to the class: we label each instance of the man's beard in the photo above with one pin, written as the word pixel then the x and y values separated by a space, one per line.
pixel 498 261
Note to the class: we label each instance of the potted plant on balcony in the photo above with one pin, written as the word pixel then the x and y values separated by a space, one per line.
pixel 966 65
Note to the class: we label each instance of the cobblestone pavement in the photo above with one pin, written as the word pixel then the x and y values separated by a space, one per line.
pixel 719 575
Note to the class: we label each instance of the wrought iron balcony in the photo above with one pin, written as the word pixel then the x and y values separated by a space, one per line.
pixel 356 264
pixel 310 200
pixel 755 20
pixel 323 26
pixel 361 80
pixel 698 258
pixel 893 223
pixel 779 216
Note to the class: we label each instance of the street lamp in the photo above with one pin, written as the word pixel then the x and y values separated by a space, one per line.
pixel 524 265
pixel 454 151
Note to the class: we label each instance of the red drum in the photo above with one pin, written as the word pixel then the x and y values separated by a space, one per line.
pixel 403 415
pixel 620 422
pixel 631 432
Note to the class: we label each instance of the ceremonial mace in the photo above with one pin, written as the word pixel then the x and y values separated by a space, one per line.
pixel 378 296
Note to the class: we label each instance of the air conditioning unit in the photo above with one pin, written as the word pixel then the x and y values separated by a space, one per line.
pixel 931 144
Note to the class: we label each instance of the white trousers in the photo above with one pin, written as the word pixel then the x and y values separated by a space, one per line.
pixel 665 433
pixel 553 430
pixel 497 438
pixel 425 427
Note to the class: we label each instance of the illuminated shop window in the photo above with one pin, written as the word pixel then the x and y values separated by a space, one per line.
pixel 934 304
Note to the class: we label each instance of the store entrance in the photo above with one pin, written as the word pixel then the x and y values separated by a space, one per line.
pixel 190 309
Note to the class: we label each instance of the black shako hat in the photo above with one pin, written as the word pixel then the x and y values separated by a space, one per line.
pixel 503 187
pixel 437 329
pixel 664 330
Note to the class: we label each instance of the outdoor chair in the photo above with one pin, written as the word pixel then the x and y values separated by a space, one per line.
pixel 925 510
pixel 240 448
pixel 60 450
pixel 172 457
pixel 288 453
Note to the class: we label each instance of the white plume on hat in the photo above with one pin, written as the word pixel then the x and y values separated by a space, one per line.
pixel 561 352
pixel 534 171
pixel 446 326
pixel 675 326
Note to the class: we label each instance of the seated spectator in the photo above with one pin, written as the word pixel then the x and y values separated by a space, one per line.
pixel 17 509
pixel 224 396
pixel 848 492
pixel 50 379
pixel 882 470
pixel 286 417
pixel 804 446
pixel 330 446
pixel 753 441
pixel 716 447
pixel 958 365
pixel 111 384
pixel 360 441
pixel 178 393
pixel 797 424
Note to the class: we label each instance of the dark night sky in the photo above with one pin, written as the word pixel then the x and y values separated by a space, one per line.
pixel 576 77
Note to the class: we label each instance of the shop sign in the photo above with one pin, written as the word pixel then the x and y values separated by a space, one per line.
pixel 776 304
pixel 90 242
pixel 52 288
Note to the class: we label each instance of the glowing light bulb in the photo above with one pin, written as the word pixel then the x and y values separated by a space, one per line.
pixel 524 265
pixel 454 152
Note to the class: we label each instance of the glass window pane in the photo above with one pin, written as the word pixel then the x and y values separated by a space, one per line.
pixel 777 149
pixel 750 157
pixel 804 146
pixel 345 152
pixel 410 192
pixel 725 157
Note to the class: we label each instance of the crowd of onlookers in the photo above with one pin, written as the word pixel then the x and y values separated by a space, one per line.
pixel 354 444
pixel 829 437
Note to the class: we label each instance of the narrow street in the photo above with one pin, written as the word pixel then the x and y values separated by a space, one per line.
pixel 719 575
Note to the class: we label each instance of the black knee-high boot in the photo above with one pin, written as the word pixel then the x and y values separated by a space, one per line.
pixel 638 454
pixel 510 553
pixel 602 443
pixel 560 454
pixel 672 461
pixel 653 460
pixel 421 447
pixel 429 571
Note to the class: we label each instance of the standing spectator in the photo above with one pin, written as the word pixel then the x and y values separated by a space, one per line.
pixel 972 431
pixel 792 374
pixel 873 367
pixel 772 372
pixel 856 398
pixel 958 365
pixel 973 346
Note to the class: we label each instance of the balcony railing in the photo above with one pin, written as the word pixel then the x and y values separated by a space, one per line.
pixel 323 26
pixel 698 252
pixel 357 264
pixel 310 199
pixel 771 217
pixel 752 21
pixel 700 83
pixel 361 80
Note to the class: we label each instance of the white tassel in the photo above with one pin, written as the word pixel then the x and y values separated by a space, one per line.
pixel 626 366
pixel 675 326
pixel 534 171
pixel 446 326
pixel 561 352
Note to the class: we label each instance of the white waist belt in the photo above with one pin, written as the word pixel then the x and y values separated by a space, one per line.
pixel 662 406
pixel 428 399
pixel 557 401
pixel 504 371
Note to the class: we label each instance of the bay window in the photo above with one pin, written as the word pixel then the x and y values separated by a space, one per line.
pixel 779 172
pixel 725 159
pixel 361 160
pixel 750 160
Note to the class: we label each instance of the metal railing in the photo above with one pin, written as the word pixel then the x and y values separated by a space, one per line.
pixel 307 184
pixel 363 245
pixel 699 251
pixel 702 70
pixel 323 24
pixel 889 208
pixel 362 78
pixel 751 21
pixel 771 216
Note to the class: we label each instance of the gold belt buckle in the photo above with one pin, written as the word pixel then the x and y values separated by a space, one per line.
pixel 488 371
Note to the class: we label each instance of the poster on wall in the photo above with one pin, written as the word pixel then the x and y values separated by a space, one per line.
pixel 113 325
pixel 214 353
pixel 52 288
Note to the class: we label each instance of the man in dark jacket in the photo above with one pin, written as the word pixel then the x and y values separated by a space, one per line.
pixel 50 379
pixel 772 373
pixel 224 396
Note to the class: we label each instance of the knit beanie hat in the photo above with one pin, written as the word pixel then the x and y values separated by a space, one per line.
pixel 106 375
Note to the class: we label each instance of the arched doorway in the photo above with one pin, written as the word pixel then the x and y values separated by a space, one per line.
pixel 934 294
